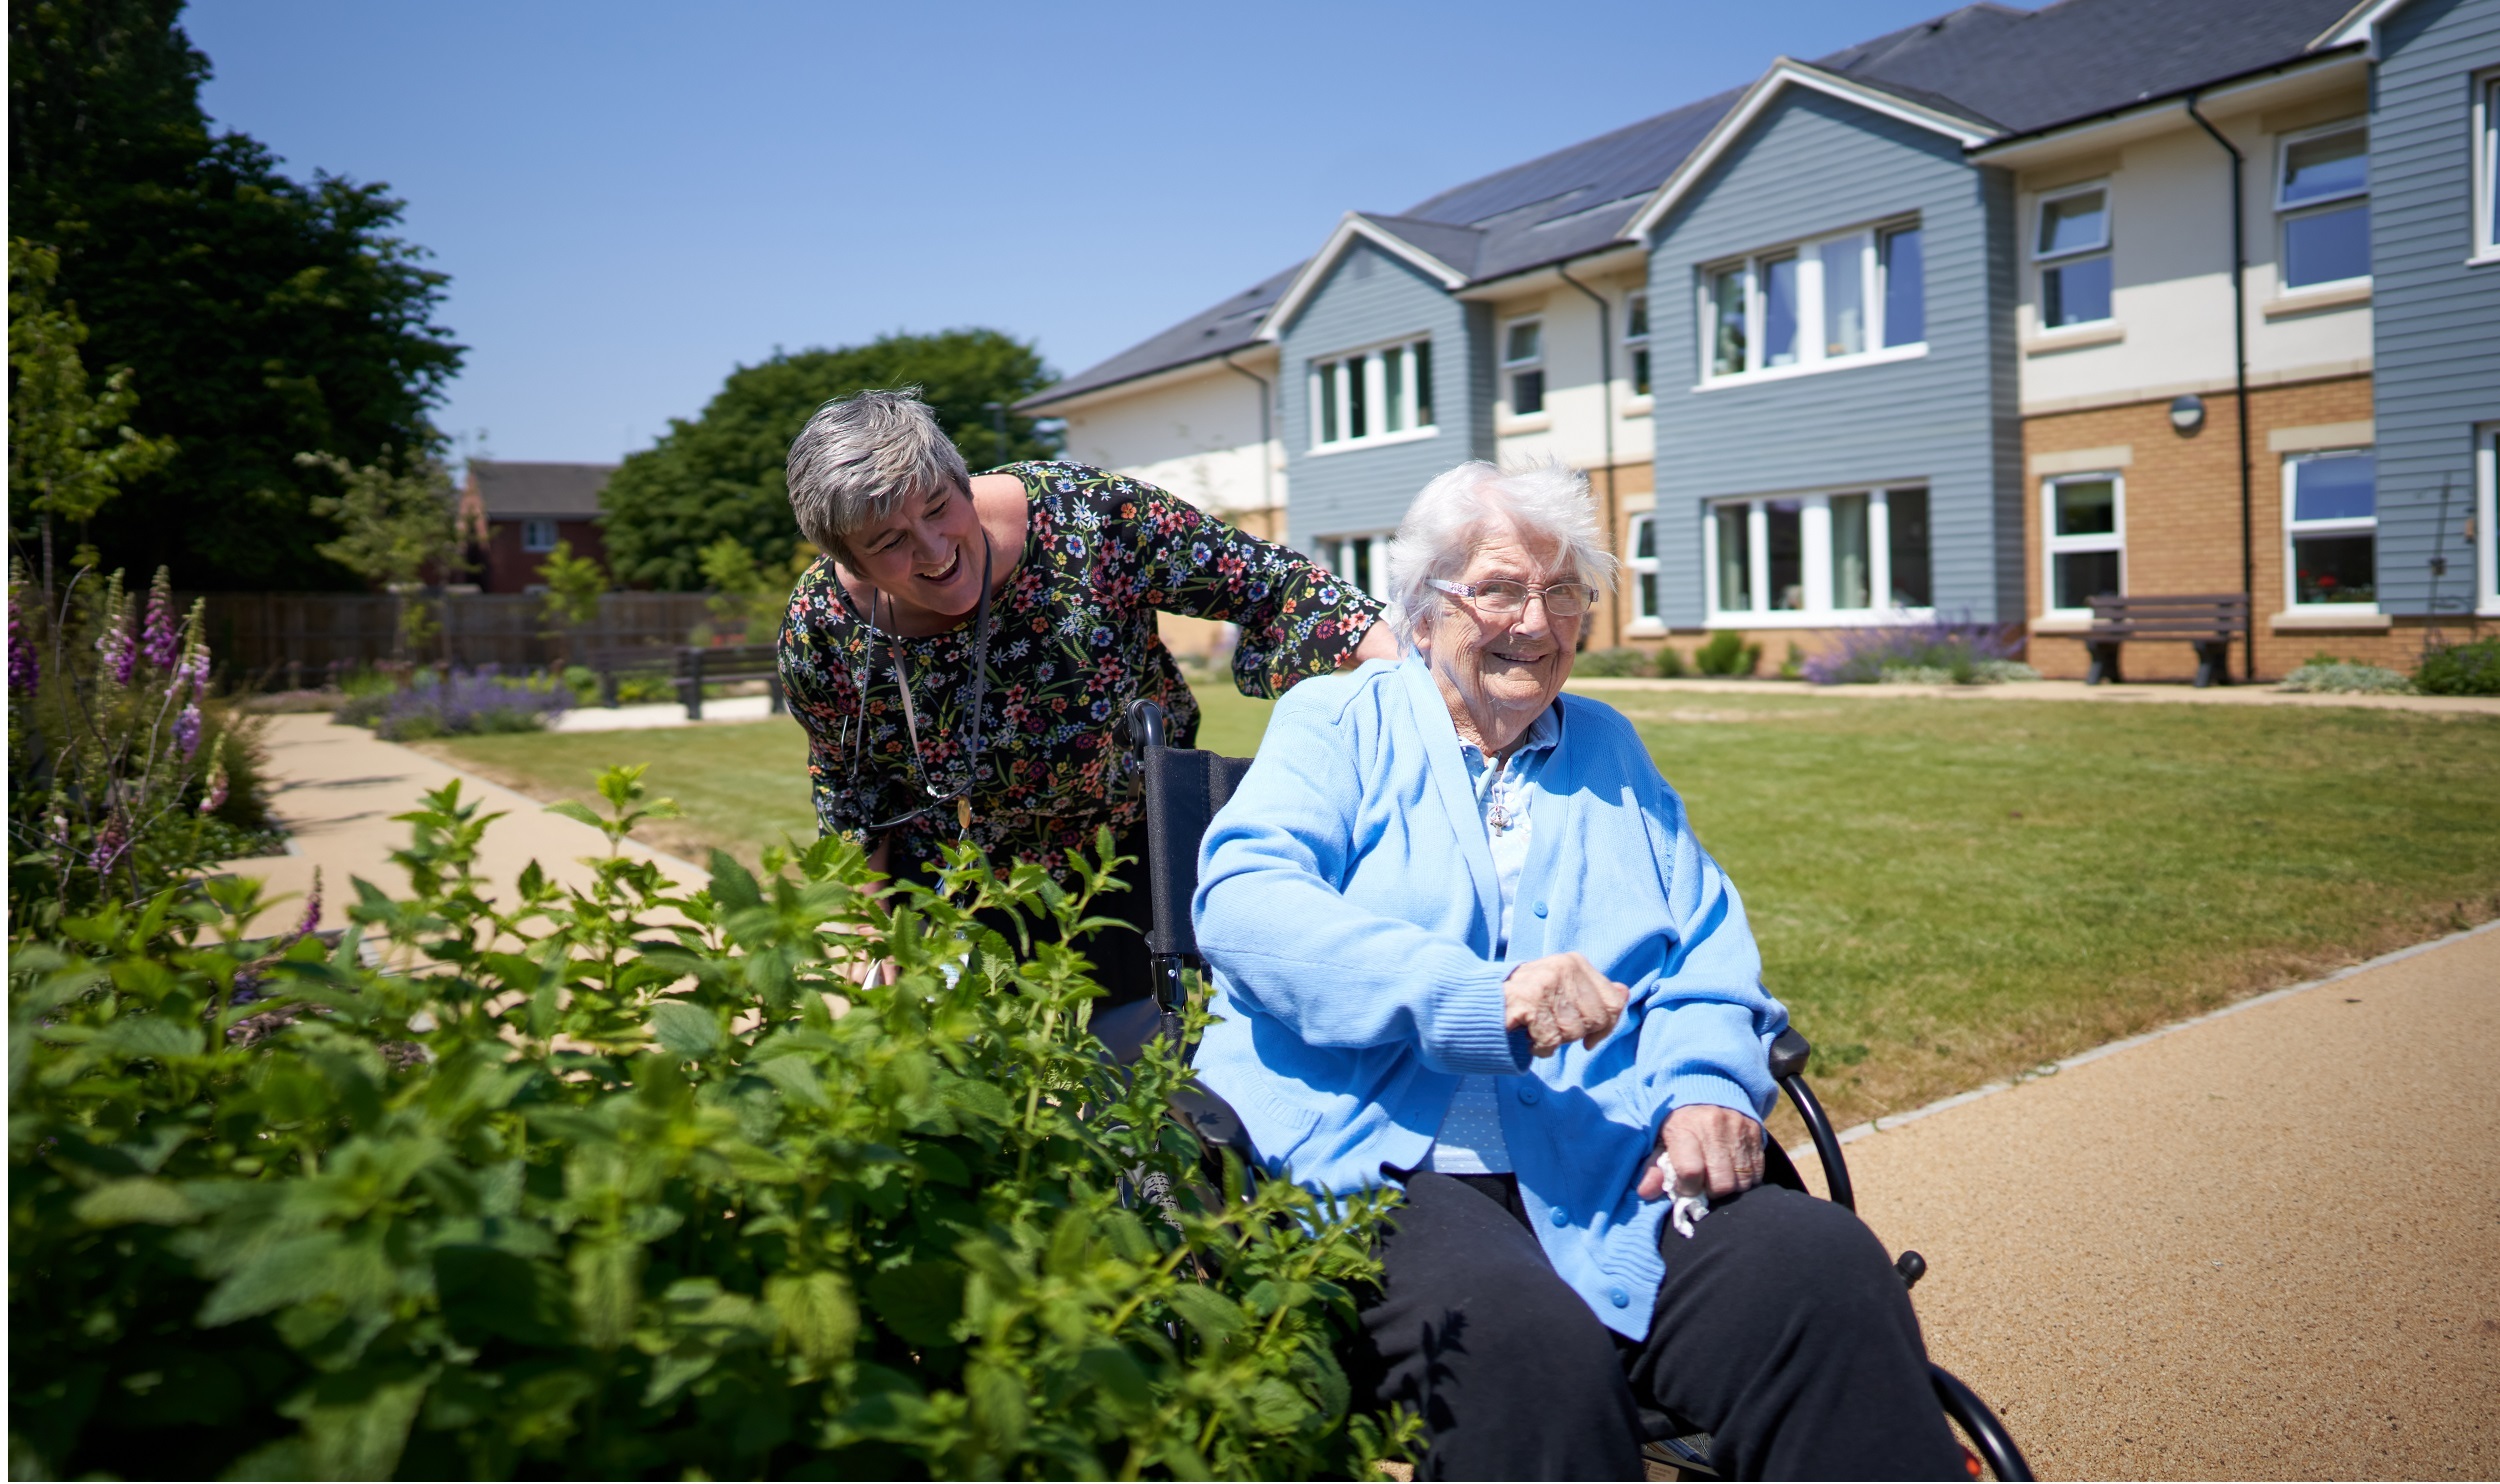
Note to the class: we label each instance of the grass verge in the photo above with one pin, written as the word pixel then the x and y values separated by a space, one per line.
pixel 1946 892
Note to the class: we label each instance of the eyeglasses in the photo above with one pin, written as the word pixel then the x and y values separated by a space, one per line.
pixel 1562 599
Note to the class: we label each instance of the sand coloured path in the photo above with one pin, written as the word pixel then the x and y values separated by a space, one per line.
pixel 2266 1246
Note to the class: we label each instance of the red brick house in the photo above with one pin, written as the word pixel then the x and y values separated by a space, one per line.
pixel 514 513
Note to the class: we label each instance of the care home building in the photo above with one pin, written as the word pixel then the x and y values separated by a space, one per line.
pixel 1976 320
pixel 513 513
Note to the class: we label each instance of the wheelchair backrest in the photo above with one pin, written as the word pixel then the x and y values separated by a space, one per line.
pixel 1184 788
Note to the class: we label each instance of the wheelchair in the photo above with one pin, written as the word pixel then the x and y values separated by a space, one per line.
pixel 1184 789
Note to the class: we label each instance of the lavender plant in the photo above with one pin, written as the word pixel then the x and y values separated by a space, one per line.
pixel 459 703
pixel 1936 652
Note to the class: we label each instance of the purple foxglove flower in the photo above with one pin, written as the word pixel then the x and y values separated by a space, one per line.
pixel 120 656
pixel 161 639
pixel 111 844
pixel 312 907
pixel 187 729
pixel 24 668
pixel 215 798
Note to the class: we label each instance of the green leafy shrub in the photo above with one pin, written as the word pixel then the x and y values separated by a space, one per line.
pixel 1612 663
pixel 2460 670
pixel 617 1182
pixel 1727 653
pixel 1671 664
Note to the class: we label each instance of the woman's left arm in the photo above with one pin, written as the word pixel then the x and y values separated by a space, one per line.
pixel 1297 619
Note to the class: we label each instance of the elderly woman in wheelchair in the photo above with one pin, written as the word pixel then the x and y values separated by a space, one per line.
pixel 1464 941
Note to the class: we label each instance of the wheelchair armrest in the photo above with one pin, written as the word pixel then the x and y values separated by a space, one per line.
pixel 1215 1124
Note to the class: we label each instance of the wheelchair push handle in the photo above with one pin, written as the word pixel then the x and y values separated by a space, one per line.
pixel 1145 724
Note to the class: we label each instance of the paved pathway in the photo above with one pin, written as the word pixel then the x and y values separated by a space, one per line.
pixel 2050 690
pixel 661 714
pixel 338 788
pixel 2263 1245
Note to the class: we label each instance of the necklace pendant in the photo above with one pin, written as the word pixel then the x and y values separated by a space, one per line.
pixel 963 812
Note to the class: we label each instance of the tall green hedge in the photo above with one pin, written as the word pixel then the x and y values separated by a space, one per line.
pixel 629 1182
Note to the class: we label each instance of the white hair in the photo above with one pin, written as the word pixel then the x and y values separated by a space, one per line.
pixel 1548 502
pixel 860 457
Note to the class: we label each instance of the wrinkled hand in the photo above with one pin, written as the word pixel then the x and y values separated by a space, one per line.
pixel 1559 999
pixel 1710 1149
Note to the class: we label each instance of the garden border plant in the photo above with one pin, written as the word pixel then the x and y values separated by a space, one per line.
pixel 620 1181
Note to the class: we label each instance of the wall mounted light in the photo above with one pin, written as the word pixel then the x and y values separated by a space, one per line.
pixel 2187 413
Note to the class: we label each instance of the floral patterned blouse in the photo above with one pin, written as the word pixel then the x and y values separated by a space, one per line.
pixel 1072 643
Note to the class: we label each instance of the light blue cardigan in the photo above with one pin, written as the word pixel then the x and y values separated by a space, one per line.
pixel 1348 905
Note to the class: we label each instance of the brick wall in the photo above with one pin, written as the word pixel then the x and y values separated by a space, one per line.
pixel 2182 523
pixel 509 569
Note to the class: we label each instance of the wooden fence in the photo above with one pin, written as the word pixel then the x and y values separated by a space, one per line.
pixel 296 639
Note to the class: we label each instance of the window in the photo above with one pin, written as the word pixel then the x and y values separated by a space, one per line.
pixel 2086 540
pixel 2487 167
pixel 1523 366
pixel 538 535
pixel 1643 568
pixel 1904 268
pixel 2483 531
pixel 1372 394
pixel 1816 556
pixel 2323 194
pixel 1361 560
pixel 2331 527
pixel 1829 303
pixel 2072 249
pixel 1636 341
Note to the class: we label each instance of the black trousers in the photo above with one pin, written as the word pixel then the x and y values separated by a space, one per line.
pixel 1781 1330
pixel 1122 966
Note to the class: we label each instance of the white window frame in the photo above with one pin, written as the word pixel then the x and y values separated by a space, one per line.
pixel 2042 264
pixel 1637 348
pixel 1814 520
pixel 1335 553
pixel 531 528
pixel 2487 520
pixel 2486 192
pixel 2053 545
pixel 1635 567
pixel 1416 349
pixel 2285 213
pixel 1811 359
pixel 1513 369
pixel 2341 526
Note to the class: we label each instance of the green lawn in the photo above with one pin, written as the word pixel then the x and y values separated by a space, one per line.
pixel 1946 891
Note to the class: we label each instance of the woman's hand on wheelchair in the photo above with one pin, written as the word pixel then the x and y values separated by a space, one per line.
pixel 1712 1149
pixel 1559 999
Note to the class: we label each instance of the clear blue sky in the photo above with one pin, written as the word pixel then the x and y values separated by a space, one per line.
pixel 633 198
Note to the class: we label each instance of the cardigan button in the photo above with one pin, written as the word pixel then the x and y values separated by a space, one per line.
pixel 1529 1092
pixel 1539 909
pixel 1561 1217
pixel 1619 1298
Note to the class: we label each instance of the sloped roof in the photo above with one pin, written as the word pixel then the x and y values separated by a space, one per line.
pixel 511 490
pixel 2005 70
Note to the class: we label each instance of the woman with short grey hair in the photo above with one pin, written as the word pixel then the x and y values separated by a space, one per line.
pixel 964 653
pixel 1465 942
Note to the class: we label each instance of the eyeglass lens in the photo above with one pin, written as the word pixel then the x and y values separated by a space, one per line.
pixel 1563 600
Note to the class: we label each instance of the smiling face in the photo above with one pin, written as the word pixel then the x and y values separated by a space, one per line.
pixel 926 555
pixel 1497 671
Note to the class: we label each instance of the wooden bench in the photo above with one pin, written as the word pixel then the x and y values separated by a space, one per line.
pixel 2210 621
pixel 691 667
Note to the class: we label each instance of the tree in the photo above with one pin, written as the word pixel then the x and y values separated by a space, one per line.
pixel 70 449
pixel 574 586
pixel 721 474
pixel 397 525
pixel 265 317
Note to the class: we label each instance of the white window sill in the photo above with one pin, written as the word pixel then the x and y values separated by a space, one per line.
pixel 1639 406
pixel 2357 617
pixel 2484 259
pixel 1645 628
pixel 1384 440
pixel 1534 422
pixel 2075 337
pixel 2063 621
pixel 1829 618
pixel 2318 298
pixel 1884 357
